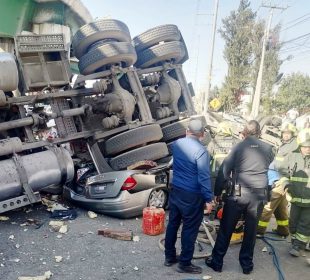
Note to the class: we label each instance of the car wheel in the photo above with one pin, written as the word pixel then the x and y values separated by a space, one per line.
pixel 99 30
pixel 158 198
pixel 153 36
pixel 110 53
pixel 133 138
pixel 174 51
pixel 178 129
pixel 149 152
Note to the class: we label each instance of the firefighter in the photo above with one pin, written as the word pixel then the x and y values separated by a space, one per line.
pixel 248 164
pixel 219 147
pixel 295 177
pixel 278 202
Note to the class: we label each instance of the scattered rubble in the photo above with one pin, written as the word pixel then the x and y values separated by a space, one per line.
pixel 63 229
pixel 59 226
pixel 136 268
pixel 4 218
pixel 265 249
pixel 58 259
pixel 11 237
pixel 47 275
pixel 207 277
pixel 92 214
pixel 136 238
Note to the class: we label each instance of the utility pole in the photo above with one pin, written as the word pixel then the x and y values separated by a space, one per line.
pixel 258 87
pixel 205 100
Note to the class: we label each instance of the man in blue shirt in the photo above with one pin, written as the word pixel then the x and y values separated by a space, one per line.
pixel 191 191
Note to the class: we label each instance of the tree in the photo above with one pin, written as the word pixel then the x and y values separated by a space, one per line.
pixel 243 36
pixel 238 53
pixel 294 92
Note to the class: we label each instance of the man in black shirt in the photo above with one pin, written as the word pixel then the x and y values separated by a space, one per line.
pixel 247 167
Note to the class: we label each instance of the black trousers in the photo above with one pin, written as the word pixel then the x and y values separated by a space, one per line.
pixel 250 204
pixel 187 207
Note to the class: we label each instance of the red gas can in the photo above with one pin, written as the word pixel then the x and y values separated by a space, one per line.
pixel 153 220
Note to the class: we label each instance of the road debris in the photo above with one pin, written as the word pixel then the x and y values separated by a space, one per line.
pixel 47 275
pixel 11 237
pixel 207 277
pixel 136 238
pixel 32 222
pixel 58 259
pixel 63 229
pixel 116 234
pixel 59 226
pixel 4 218
pixel 92 214
pixel 17 246
pixel 265 249
pixel 136 268
pixel 64 214
pixel 56 225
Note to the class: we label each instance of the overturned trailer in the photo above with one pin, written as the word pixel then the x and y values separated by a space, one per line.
pixel 137 104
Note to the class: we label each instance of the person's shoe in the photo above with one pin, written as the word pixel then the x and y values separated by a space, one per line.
pixel 209 263
pixel 171 262
pixel 247 270
pixel 193 269
pixel 282 234
pixel 295 251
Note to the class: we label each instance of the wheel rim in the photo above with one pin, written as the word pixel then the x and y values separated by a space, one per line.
pixel 157 198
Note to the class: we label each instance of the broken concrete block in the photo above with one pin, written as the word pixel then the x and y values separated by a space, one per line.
pixel 136 238
pixel 56 225
pixel 63 229
pixel 58 259
pixel 92 214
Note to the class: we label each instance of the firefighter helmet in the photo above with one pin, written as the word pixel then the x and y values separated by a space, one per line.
pixel 287 126
pixel 303 137
pixel 224 128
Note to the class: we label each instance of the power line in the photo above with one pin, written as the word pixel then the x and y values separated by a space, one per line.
pixel 297 23
pixel 297 38
pixel 291 21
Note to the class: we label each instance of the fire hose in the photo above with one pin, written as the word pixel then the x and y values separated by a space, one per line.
pixel 205 238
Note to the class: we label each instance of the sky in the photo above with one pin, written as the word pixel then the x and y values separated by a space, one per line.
pixel 195 18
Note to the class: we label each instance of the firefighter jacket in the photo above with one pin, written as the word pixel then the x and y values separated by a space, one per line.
pixel 218 149
pixel 296 175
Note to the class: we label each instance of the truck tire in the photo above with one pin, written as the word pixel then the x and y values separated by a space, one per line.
pixel 110 53
pixel 174 50
pixel 153 36
pixel 265 121
pixel 170 147
pixel 149 152
pixel 9 76
pixel 178 129
pixel 133 138
pixel 99 30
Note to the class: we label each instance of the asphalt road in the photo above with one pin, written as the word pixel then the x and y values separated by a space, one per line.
pixel 89 256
